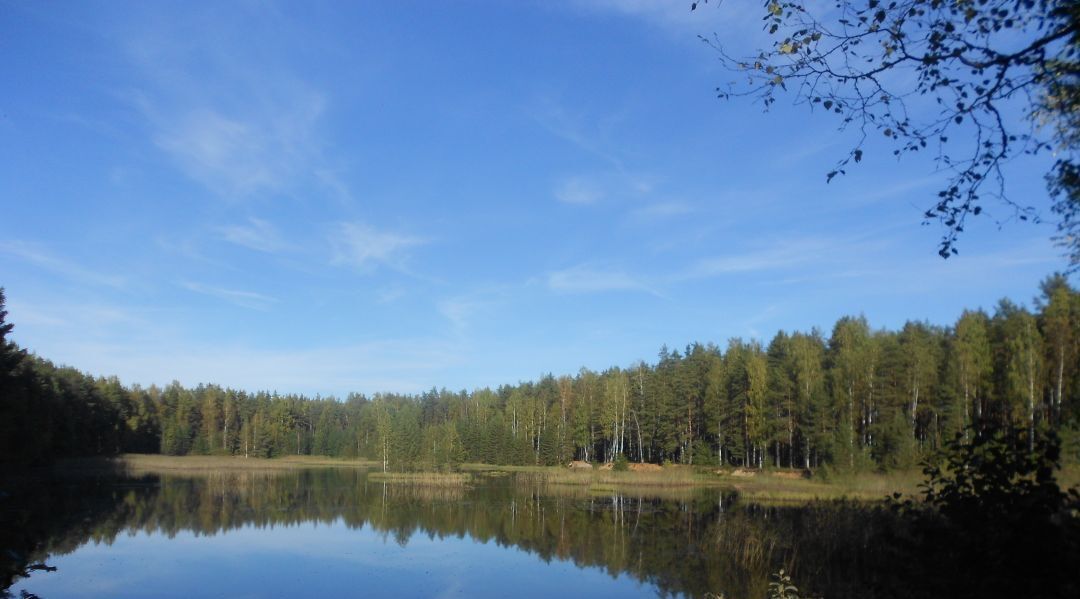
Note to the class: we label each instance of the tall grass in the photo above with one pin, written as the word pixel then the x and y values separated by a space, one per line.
pixel 760 486
pixel 192 463
pixel 671 476
pixel 433 479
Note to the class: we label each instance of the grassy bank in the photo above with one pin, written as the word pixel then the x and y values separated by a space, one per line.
pixel 765 486
pixel 431 479
pixel 671 476
pixel 862 486
pixel 191 463
pixel 758 485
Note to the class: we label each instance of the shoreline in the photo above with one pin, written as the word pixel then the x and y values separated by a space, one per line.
pixel 767 485
pixel 779 486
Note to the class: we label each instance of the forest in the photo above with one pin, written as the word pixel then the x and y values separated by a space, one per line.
pixel 856 398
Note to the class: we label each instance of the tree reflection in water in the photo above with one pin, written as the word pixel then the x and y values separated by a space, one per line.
pixel 683 542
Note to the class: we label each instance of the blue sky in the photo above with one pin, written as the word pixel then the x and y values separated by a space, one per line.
pixel 326 197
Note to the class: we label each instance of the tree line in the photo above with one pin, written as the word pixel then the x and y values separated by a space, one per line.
pixel 854 398
pixel 626 534
pixel 695 544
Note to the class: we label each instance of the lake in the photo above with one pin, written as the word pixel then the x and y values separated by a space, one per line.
pixel 335 532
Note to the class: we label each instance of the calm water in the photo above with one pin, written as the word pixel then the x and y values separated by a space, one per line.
pixel 327 532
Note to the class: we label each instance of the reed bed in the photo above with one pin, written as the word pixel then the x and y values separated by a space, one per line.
pixel 767 487
pixel 163 463
pixel 780 486
pixel 395 492
pixel 429 479
pixel 672 476
pixel 537 484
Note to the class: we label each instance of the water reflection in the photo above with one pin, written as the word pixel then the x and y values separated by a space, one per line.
pixel 697 543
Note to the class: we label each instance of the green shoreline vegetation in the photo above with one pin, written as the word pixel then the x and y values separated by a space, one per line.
pixel 205 463
pixel 673 480
pixel 766 486
pixel 835 548
pixel 852 414
pixel 430 479
pixel 644 535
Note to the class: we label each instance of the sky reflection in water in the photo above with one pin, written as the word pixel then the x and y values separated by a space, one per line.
pixel 338 532
pixel 317 560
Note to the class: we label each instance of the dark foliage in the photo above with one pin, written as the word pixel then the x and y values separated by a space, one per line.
pixel 992 510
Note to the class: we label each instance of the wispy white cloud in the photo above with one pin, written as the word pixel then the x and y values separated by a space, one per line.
pixel 602 136
pixel 924 273
pixel 152 345
pixel 257 235
pixel 659 210
pixel 225 118
pixel 88 317
pixel 366 248
pixel 333 182
pixel 875 193
pixel 677 18
pixel 820 277
pixel 793 154
pixel 189 248
pixel 589 133
pixel 402 365
pixel 586 278
pixel 743 262
pixel 389 295
pixel 666 13
pixel 781 255
pixel 69 269
pixel 780 259
pixel 577 190
pixel 64 319
pixel 461 311
pixel 602 187
pixel 244 299
pixel 241 155
pixel 27 314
